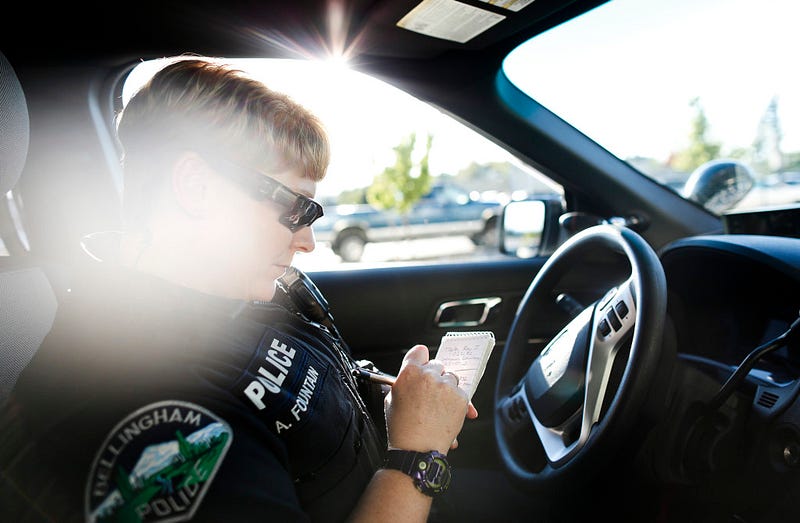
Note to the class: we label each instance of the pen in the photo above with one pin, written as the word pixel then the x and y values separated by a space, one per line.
pixel 375 377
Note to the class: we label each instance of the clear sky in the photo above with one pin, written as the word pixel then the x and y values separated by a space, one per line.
pixel 626 71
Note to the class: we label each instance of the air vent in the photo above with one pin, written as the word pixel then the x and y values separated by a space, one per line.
pixel 768 399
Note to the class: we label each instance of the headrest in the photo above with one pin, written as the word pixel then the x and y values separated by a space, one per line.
pixel 14 127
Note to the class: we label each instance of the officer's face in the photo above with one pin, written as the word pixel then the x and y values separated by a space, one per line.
pixel 255 246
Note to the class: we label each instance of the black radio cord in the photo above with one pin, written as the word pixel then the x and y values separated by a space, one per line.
pixel 747 364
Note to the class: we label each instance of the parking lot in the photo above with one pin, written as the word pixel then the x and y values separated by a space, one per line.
pixel 452 248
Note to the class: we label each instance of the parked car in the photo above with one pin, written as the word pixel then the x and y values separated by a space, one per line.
pixel 446 210
pixel 647 369
pixel 778 189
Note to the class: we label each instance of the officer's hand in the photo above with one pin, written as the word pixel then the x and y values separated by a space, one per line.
pixel 472 413
pixel 425 409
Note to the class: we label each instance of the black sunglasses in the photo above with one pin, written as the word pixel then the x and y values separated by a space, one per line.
pixel 299 210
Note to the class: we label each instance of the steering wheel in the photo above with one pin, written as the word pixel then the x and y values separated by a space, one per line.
pixel 557 422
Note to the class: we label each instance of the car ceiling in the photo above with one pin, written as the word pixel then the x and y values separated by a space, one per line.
pixel 262 28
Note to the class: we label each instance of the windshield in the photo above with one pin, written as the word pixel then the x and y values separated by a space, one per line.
pixel 671 86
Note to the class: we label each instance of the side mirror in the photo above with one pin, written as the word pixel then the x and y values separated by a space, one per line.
pixel 530 228
pixel 718 185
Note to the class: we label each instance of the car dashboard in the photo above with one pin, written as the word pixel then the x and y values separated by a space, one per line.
pixel 729 297
pixel 729 294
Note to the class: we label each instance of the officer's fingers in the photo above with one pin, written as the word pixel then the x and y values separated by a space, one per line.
pixel 472 412
pixel 435 366
pixel 454 445
pixel 418 354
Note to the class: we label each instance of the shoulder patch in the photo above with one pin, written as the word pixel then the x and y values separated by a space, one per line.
pixel 157 464
pixel 283 382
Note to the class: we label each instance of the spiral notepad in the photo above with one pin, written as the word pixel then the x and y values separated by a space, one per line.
pixel 466 354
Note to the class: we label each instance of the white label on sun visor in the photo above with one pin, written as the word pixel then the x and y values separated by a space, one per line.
pixel 511 5
pixel 449 20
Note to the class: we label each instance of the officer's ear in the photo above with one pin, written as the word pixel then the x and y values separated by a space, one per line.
pixel 191 184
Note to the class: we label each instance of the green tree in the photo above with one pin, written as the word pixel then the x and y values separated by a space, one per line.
pixel 701 149
pixel 767 154
pixel 185 448
pixel 124 486
pixel 353 196
pixel 792 161
pixel 401 185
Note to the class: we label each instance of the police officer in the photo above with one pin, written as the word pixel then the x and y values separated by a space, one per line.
pixel 170 387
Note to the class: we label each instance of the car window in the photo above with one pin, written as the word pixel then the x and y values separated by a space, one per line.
pixel 406 183
pixel 672 87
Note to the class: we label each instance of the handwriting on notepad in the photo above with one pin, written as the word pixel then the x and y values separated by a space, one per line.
pixel 466 355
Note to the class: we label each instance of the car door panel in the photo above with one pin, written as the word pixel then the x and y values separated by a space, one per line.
pixel 381 313
pixel 384 310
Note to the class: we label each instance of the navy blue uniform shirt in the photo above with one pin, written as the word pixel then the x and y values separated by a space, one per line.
pixel 153 402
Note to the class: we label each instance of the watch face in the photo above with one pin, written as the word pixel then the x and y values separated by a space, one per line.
pixel 433 474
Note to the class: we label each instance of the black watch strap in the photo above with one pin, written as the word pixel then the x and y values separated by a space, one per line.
pixel 404 460
pixel 429 470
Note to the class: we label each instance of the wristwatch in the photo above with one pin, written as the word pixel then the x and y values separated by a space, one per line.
pixel 429 470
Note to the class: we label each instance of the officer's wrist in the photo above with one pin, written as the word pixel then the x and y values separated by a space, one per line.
pixel 419 448
pixel 430 471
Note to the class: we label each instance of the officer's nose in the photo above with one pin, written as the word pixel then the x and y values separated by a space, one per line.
pixel 303 240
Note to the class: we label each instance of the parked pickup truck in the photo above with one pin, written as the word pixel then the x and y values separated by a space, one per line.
pixel 444 211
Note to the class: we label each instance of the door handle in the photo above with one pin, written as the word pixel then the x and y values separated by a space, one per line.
pixel 465 313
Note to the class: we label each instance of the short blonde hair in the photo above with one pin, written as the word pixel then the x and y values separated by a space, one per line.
pixel 210 107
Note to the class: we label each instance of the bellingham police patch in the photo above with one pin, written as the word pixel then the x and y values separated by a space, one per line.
pixel 157 464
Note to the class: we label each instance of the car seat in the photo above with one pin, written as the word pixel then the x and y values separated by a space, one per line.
pixel 27 301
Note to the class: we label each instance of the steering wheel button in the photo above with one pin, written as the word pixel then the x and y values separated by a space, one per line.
pixel 622 309
pixel 605 300
pixel 613 320
pixel 604 328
